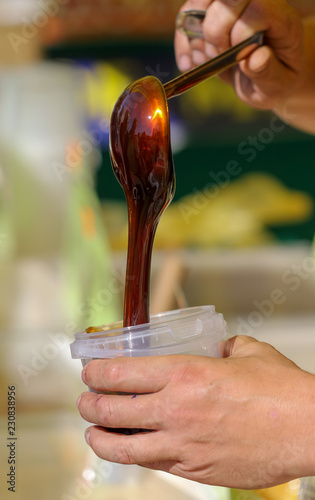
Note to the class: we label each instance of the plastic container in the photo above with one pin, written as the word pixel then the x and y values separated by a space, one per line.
pixel 195 330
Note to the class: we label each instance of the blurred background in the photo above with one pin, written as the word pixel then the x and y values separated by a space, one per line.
pixel 240 227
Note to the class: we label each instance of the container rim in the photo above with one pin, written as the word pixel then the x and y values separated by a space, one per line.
pixel 156 320
pixel 171 332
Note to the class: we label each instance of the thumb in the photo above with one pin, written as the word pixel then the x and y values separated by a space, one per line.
pixel 235 345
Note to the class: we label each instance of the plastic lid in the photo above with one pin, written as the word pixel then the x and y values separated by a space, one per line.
pixel 173 332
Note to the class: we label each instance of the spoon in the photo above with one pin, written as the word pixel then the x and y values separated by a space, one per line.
pixel 142 161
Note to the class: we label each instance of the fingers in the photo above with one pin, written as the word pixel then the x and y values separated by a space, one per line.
pixel 183 52
pixel 220 18
pixel 190 52
pixel 134 449
pixel 272 72
pixel 120 411
pixel 262 78
pixel 283 29
pixel 135 375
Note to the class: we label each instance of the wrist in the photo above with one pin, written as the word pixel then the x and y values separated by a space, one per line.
pixel 305 429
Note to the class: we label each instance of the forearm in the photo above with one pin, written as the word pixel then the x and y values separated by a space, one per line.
pixel 299 108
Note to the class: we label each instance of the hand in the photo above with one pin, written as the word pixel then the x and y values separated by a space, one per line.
pixel 274 71
pixel 244 421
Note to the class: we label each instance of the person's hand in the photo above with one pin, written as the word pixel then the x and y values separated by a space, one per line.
pixel 244 421
pixel 273 72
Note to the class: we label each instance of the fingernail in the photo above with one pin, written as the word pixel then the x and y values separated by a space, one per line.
pixel 184 63
pixel 78 401
pixel 84 375
pixel 198 57
pixel 88 437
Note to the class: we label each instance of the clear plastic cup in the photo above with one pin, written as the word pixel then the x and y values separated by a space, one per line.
pixel 194 330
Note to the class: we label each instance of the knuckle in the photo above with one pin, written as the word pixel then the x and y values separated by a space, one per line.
pixel 215 34
pixel 125 454
pixel 104 410
pixel 113 372
pixel 267 349
pixel 98 402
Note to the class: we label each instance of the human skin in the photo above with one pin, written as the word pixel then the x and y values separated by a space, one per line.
pixel 278 76
pixel 244 420
pixel 304 7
